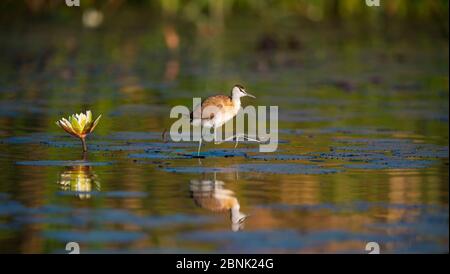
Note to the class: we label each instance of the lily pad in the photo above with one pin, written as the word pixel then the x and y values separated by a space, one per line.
pixel 199 169
pixel 220 153
pixel 390 163
pixel 62 163
pixel 281 157
pixel 397 147
pixel 423 151
pixel 157 155
pixel 349 156
pixel 135 135
pixel 285 169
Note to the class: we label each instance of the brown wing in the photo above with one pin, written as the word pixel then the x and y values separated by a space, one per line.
pixel 210 106
pixel 209 203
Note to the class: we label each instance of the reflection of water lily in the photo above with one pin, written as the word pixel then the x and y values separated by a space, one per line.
pixel 79 125
pixel 79 179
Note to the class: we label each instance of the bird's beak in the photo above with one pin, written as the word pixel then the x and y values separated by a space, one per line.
pixel 249 95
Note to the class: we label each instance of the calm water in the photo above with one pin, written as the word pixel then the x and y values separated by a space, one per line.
pixel 363 124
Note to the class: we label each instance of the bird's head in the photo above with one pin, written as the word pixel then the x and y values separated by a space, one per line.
pixel 238 91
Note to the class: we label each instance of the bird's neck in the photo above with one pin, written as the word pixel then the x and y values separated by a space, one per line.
pixel 236 102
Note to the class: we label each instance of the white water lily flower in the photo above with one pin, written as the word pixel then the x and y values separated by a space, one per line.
pixel 79 125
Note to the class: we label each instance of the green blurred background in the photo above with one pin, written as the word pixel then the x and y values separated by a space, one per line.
pixel 412 12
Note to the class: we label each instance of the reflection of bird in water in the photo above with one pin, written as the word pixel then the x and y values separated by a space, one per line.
pixel 211 195
pixel 79 179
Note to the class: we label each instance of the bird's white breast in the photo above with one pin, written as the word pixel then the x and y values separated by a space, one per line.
pixel 227 114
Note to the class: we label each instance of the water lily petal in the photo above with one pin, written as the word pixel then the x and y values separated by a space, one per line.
pixel 75 125
pixel 82 121
pixel 89 116
pixel 66 122
pixel 89 122
pixel 66 125
pixel 59 124
pixel 95 123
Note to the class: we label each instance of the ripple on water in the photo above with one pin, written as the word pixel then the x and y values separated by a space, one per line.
pixel 34 138
pixel 155 250
pixel 357 206
pixel 106 194
pixel 95 236
pixel 80 217
pixel 278 240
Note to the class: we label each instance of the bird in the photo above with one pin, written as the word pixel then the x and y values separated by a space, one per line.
pixel 216 110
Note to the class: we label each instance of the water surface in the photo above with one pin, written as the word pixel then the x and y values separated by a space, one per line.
pixel 364 157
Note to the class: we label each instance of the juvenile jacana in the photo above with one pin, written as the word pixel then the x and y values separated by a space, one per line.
pixel 219 109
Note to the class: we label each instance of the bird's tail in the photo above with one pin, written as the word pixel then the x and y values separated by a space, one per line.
pixel 164 133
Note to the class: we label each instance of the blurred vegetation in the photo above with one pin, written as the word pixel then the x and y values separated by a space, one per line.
pixel 410 11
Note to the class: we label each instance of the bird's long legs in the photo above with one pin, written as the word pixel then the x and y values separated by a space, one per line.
pixel 245 137
pixel 237 136
pixel 215 137
pixel 199 146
